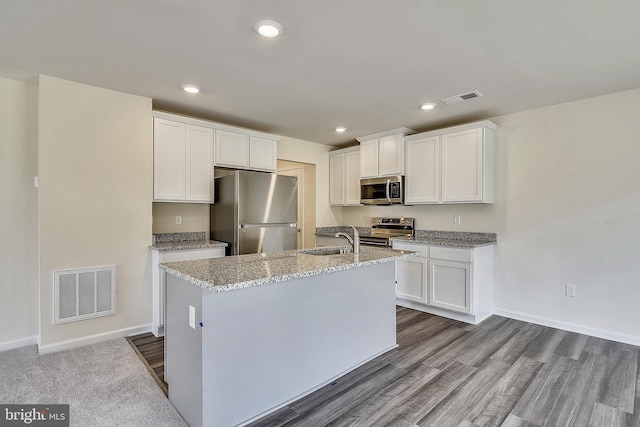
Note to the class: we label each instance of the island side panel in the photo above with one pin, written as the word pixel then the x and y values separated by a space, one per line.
pixel 183 349
pixel 268 345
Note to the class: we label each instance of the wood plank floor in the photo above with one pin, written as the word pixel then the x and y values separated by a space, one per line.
pixel 151 350
pixel 502 372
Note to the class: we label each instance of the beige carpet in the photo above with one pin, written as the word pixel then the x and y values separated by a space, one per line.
pixel 105 384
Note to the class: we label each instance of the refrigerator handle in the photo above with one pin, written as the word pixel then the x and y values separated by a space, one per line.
pixel 272 224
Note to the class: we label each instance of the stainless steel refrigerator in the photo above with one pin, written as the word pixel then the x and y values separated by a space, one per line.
pixel 255 212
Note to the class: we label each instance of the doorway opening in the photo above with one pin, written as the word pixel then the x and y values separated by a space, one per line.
pixel 306 174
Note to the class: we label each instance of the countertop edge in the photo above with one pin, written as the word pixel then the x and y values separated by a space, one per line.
pixel 187 245
pixel 292 276
pixel 470 244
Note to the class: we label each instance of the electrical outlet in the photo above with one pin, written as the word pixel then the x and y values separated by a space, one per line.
pixel 178 220
pixel 570 290
pixel 359 217
pixel 457 219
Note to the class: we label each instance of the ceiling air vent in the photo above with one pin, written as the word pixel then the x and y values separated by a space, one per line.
pixel 459 98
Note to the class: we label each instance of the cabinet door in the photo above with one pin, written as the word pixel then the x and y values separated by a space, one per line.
pixel 390 156
pixel 462 162
pixel 411 279
pixel 422 179
pixel 232 149
pixel 369 158
pixel 450 285
pixel 352 177
pixel 336 179
pixel 262 154
pixel 168 160
pixel 199 164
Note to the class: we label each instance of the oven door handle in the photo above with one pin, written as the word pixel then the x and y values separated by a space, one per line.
pixel 388 190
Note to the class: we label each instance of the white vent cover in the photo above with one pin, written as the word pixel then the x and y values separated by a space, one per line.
pixel 462 97
pixel 84 293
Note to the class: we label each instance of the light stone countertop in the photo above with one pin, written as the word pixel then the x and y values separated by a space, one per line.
pixel 451 243
pixel 246 271
pixel 183 241
pixel 453 239
pixel 187 244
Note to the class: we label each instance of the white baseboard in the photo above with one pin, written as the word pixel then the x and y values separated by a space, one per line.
pixel 92 339
pixel 23 342
pixel 566 326
pixel 466 318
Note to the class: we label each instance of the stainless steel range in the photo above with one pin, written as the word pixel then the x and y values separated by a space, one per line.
pixel 383 229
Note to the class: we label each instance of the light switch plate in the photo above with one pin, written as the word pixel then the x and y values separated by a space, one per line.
pixel 192 317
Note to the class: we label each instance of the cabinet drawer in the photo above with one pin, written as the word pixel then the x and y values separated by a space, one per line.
pixel 452 254
pixel 423 250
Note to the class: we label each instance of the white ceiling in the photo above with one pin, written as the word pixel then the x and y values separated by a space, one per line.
pixel 364 64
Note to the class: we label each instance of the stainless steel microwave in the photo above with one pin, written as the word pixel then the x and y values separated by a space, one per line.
pixel 386 190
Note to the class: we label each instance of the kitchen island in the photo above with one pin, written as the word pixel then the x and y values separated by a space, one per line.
pixel 248 334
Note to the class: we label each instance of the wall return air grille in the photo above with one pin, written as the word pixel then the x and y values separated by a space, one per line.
pixel 84 293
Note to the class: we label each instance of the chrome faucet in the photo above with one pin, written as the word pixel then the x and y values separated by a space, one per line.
pixel 355 241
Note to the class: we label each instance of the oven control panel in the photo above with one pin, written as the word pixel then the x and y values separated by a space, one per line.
pixel 379 221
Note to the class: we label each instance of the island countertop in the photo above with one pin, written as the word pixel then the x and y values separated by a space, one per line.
pixel 246 271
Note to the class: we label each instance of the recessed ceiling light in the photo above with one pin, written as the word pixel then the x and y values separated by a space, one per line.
pixel 428 106
pixel 191 88
pixel 268 28
pixel 341 129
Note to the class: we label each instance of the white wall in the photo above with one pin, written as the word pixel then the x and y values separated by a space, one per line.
pixel 298 150
pixel 195 217
pixel 95 168
pixel 567 210
pixel 18 214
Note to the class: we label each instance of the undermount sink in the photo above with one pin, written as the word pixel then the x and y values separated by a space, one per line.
pixel 326 251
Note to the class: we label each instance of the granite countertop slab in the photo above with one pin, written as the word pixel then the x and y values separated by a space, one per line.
pixel 183 241
pixel 246 271
pixel 455 239
pixel 331 231
pixel 188 244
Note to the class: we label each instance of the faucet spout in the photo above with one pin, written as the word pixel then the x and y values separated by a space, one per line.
pixel 353 241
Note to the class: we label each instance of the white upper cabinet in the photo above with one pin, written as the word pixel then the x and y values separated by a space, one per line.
pixel 463 177
pixel 352 177
pixel 344 177
pixel 238 150
pixel 369 158
pixel 262 154
pixel 168 160
pixel 182 162
pixel 232 149
pixel 422 180
pixel 199 164
pixel 382 154
pixel 453 165
pixel 336 179
pixel 391 155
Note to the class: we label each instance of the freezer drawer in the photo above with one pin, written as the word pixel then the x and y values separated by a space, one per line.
pixel 257 239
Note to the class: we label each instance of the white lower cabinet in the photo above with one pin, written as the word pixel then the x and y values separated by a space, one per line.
pixel 411 280
pixel 157 278
pixel 450 285
pixel 450 282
